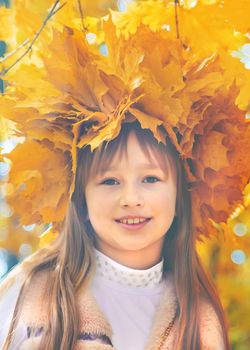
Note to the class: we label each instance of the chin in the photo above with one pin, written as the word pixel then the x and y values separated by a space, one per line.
pixel 134 246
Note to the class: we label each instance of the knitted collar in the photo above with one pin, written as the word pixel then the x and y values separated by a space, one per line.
pixel 125 276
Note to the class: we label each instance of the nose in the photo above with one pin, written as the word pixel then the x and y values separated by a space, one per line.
pixel 131 196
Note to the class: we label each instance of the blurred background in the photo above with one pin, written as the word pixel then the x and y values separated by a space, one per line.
pixel 225 256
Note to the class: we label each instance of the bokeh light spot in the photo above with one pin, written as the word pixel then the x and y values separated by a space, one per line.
pixel 240 229
pixel 122 5
pixel 243 53
pixel 3 262
pixel 25 250
pixel 238 256
pixel 29 227
pixel 166 27
pixel 9 144
pixel 5 210
pixel 104 49
pixel 3 48
pixel 90 37
pixel 4 169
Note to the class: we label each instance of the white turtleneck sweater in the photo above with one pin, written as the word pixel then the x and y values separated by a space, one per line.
pixel 128 299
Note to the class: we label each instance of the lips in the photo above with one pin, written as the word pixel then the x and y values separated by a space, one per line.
pixel 132 220
pixel 132 226
pixel 132 217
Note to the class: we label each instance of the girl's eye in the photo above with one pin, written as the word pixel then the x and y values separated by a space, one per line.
pixel 107 182
pixel 111 181
pixel 152 177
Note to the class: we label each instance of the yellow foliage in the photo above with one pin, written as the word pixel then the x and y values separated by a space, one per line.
pixel 6 129
pixel 165 66
pixel 7 27
pixel 39 186
pixel 71 93
pixel 46 237
pixel 232 281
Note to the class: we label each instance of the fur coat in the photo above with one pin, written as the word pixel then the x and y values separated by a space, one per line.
pixel 96 332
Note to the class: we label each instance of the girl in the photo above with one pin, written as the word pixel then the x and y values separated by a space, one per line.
pixel 123 273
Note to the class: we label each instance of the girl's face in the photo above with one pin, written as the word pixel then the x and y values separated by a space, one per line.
pixel 137 187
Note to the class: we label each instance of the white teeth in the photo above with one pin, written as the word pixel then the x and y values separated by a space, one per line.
pixel 132 221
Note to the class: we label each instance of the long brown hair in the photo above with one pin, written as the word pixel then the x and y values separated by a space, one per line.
pixel 70 257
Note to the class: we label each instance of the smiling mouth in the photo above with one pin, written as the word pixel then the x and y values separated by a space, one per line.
pixel 141 220
pixel 133 226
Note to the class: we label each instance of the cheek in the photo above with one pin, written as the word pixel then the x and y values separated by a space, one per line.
pixel 95 208
pixel 98 208
pixel 167 197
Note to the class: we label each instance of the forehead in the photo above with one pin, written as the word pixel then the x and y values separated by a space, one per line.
pixel 135 154
pixel 135 150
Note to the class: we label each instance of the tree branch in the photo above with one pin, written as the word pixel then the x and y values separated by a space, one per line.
pixel 8 55
pixel 84 29
pixel 51 13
